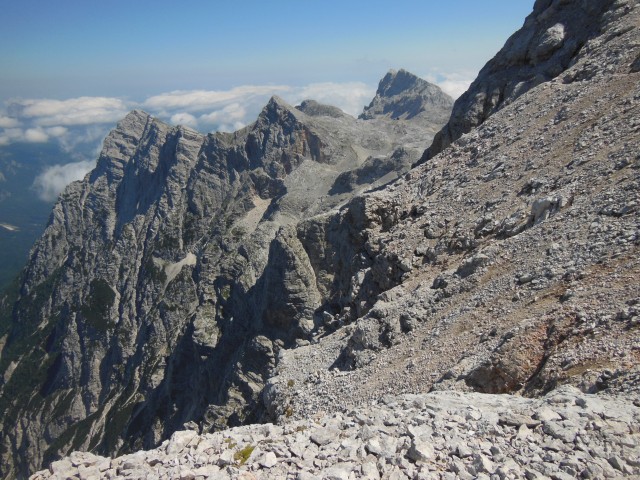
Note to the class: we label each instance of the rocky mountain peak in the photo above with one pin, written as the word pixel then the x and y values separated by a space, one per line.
pixel 133 124
pixel 402 94
pixel 277 112
pixel 276 108
pixel 316 109
pixel 121 143
pixel 134 114
pixel 397 82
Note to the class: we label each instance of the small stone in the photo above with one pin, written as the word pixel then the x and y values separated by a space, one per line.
pixel 420 450
pixel 515 420
pixel 62 467
pixel 482 464
pixel 179 440
pixel 617 463
pixel 545 414
pixel 373 446
pixel 560 475
pixel 336 472
pixel 268 460
pixel 560 432
pixel 525 278
pixel 532 474
pixel 370 471
pixel 187 474
pixel 324 436
pixel 306 476
pixel 405 265
pixel 463 450
pixel 226 458
pixel 523 432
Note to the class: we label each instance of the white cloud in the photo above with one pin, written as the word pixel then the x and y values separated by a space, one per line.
pixel 73 111
pixel 455 88
pixel 10 135
pixel 232 109
pixel 183 118
pixel 56 131
pixel 230 127
pixel 78 121
pixel 35 135
pixel 30 135
pixel 8 122
pixel 53 180
pixel 229 114
pixel 452 83
pixel 199 100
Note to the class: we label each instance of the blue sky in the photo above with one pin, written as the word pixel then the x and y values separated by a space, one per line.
pixel 70 48
pixel 71 69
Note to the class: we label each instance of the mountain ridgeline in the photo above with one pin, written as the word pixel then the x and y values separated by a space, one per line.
pixel 169 278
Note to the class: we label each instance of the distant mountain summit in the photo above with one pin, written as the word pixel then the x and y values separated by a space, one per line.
pixel 315 109
pixel 402 94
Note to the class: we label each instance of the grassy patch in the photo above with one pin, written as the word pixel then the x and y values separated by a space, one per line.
pixel 225 292
pixel 242 455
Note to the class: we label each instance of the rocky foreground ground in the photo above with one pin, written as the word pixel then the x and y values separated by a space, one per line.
pixel 439 435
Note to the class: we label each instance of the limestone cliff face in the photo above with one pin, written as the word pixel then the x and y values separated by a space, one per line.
pixel 552 39
pixel 169 278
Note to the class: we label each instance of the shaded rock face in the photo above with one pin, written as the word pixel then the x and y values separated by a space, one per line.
pixel 552 39
pixel 168 280
pixel 401 94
